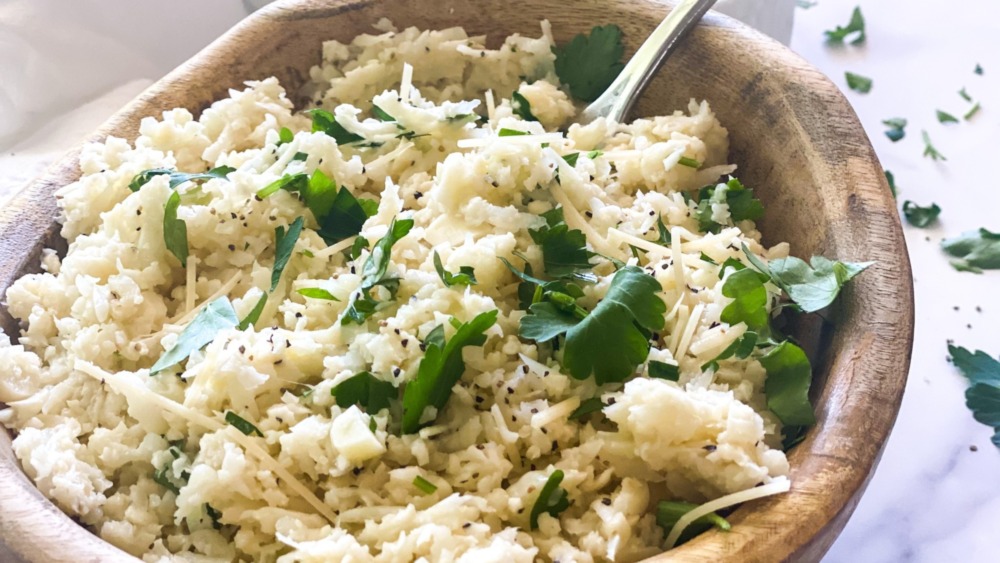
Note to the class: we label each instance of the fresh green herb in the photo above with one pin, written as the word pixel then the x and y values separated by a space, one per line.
pixel 663 370
pixel 161 478
pixel 214 318
pixel 749 305
pixel 733 263
pixel 920 216
pixel 284 244
pixel 317 293
pixel 441 368
pixel 965 95
pixel 611 340
pixel 974 251
pixel 285 136
pixel 792 436
pixel 360 243
pixel 552 499
pixel 564 251
pixel 175 230
pixel 366 390
pixel 789 376
pixel 741 348
pixel 983 395
pixel 346 217
pixel 324 121
pixel 178 178
pixel 855 26
pixel 972 112
pixel 373 273
pixel 689 162
pixel 254 315
pixel 424 485
pixel 242 424
pixel 978 70
pixel 532 290
pixel 571 158
pixel 897 128
pixel 812 286
pixel 858 83
pixel 742 204
pixel 521 107
pixel 465 275
pixel 381 115
pixel 504 132
pixel 668 512
pixel 891 180
pixel 929 149
pixel 587 65
pixel 300 156
pixel 587 406
pixel 706 258
pixel 945 117
pixel 662 232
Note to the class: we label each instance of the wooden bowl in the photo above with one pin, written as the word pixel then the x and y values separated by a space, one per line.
pixel 797 143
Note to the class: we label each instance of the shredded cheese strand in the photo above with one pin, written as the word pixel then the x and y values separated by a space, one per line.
pixel 190 287
pixel 575 220
pixel 127 386
pixel 649 247
pixel 778 486
pixel 491 106
pixel 692 325
pixel 680 277
pixel 335 248
pixel 406 85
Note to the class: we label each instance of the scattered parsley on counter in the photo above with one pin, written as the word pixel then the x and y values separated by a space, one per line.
pixel 965 95
pixel 610 341
pixel 944 117
pixel 891 180
pixel 896 128
pixel 805 4
pixel 521 107
pixel 552 499
pixel 929 150
pixel 978 70
pixel 858 83
pixel 366 390
pixel 974 251
pixel 918 216
pixel 242 424
pixel 178 178
pixel 668 512
pixel 972 112
pixel 213 318
pixel 174 229
pixel 983 395
pixel 854 27
pixel 465 276
pixel 441 368
pixel 587 65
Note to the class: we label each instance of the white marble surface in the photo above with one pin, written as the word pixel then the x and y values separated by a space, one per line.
pixel 932 498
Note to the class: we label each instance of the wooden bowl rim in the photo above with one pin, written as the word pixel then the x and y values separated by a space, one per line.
pixel 815 517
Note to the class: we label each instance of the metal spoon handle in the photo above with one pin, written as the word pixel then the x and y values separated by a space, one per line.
pixel 619 98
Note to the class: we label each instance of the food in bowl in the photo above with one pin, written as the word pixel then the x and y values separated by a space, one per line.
pixel 430 318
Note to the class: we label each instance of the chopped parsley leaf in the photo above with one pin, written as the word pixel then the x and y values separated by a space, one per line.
pixel 254 315
pixel 965 95
pixel 588 64
pixel 979 69
pixel 161 478
pixel 366 390
pixel 552 499
pixel 945 117
pixel 381 115
pixel 668 512
pixel 284 244
pixel 373 272
pixel 891 180
pixel 742 204
pixel 178 178
pixel 175 230
pixel 465 276
pixel 613 339
pixel 325 121
pixel 242 424
pixel 571 158
pixel 441 368
pixel 858 83
pixel 587 406
pixel 815 285
pixel 972 112
pixel 929 150
pixel 285 135
pixel 983 395
pixel 663 370
pixel 317 293
pixel 789 376
pixel 213 318
pixel 896 128
pixel 504 132
pixel 974 251
pixel 564 251
pixel 746 288
pixel 855 26
pixel 918 216
pixel 424 485
pixel 689 162
pixel 521 107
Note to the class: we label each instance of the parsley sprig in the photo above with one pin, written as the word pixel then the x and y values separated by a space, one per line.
pixel 588 64
pixel 974 251
pixel 373 274
pixel 855 27
pixel 983 395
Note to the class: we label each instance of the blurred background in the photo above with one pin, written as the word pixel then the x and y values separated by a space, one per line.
pixel 67 66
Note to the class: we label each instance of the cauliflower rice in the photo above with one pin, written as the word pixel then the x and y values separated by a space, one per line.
pixel 99 434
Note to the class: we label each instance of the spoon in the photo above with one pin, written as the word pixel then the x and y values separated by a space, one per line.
pixel 622 94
